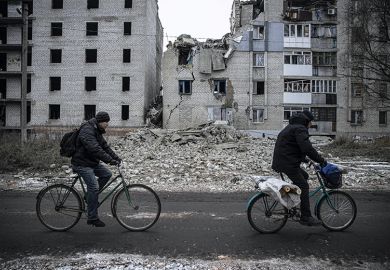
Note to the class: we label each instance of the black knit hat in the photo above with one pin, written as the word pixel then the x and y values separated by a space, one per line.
pixel 308 115
pixel 102 117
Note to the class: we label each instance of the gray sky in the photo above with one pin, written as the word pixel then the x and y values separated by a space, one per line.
pixel 198 18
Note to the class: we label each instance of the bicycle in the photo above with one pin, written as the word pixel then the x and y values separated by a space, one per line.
pixel 136 207
pixel 336 209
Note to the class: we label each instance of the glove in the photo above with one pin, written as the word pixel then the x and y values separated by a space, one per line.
pixel 114 162
pixel 323 164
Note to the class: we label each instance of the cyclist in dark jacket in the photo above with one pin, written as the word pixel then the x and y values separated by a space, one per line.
pixel 291 148
pixel 91 148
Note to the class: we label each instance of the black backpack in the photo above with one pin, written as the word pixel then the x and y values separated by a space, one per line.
pixel 68 142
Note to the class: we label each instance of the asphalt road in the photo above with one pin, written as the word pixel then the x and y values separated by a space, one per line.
pixel 200 225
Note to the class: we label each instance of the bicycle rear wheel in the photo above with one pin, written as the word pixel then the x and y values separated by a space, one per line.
pixel 266 215
pixel 337 211
pixel 59 207
pixel 140 211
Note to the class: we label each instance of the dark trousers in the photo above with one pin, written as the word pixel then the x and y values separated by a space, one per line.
pixel 299 177
pixel 93 185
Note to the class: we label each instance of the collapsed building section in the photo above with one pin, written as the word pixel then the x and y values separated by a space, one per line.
pixel 280 58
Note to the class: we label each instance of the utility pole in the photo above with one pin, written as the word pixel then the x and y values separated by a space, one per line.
pixel 23 107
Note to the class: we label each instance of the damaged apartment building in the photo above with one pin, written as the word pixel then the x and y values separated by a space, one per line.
pixel 84 56
pixel 281 57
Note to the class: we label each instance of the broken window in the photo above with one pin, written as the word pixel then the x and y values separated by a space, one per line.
pixel 258 59
pixel 216 113
pixel 57 4
pixel 324 58
pixel 3 88
pixel 356 117
pixel 258 115
pixel 93 4
pixel 357 89
pixel 89 111
pixel 28 83
pixel 324 114
pixel 90 55
pixel 184 55
pixel 55 56
pixel 290 111
pixel 220 87
pixel 127 28
pixel 291 85
pixel 297 58
pixel 125 112
pixel 128 3
pixel 91 28
pixel 259 88
pixel 55 83
pixel 90 83
pixel 185 87
pixel 125 84
pixel 259 32
pixel 54 111
pixel 56 29
pixel 383 118
pixel 126 55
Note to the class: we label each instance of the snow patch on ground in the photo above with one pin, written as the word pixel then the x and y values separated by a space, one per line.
pixel 103 261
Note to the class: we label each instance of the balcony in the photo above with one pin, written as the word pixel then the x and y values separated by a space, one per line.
pixel 296 98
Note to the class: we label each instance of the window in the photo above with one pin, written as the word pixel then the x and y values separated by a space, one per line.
pixel 258 116
pixel 125 84
pixel 296 30
pixel 306 30
pixel 29 56
pixel 90 83
pixel 90 55
pixel 28 83
pixel 125 112
pixel 57 4
pixel 324 114
pixel 383 118
pixel 127 28
pixel 92 28
pixel 185 87
pixel 126 55
pixel 323 86
pixel 297 58
pixel 92 4
pixel 258 59
pixel 55 83
pixel 54 111
pixel 89 111
pixel 382 90
pixel 356 117
pixel 56 29
pixel 128 3
pixel 184 55
pixel 299 30
pixel 55 56
pixel 220 87
pixel 357 89
pixel 259 88
pixel 290 111
pixel 259 32
pixel 297 85
pixel 29 32
pixel 324 58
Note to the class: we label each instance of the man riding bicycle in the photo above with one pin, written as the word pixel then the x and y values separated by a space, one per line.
pixel 91 147
pixel 291 148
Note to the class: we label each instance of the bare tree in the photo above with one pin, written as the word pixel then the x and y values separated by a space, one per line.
pixel 368 57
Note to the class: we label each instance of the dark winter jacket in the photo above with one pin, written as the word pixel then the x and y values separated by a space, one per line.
pixel 293 145
pixel 91 147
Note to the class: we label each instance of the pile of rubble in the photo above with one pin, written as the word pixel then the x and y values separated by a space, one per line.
pixel 212 158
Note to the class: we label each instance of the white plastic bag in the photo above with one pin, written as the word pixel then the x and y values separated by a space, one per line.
pixel 286 193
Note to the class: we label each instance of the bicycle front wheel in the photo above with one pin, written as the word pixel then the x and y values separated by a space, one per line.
pixel 337 211
pixel 266 215
pixel 59 207
pixel 136 207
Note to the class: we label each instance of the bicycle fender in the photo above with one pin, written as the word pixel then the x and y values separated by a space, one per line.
pixel 253 197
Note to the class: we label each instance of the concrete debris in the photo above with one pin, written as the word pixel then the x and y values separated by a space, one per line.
pixel 154 113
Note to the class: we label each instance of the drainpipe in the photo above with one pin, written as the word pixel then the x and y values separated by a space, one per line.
pixel 250 60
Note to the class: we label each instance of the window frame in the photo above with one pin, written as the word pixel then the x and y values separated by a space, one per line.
pixel 257 111
pixel 262 89
pixel 54 111
pixel 355 121
pixel 258 59
pixel 53 29
pixel 385 118
pixel 217 86
pixel 91 32
pixel 183 89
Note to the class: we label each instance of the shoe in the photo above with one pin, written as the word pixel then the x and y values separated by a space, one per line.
pixel 96 223
pixel 310 221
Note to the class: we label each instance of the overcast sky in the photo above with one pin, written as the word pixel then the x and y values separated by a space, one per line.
pixel 198 18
